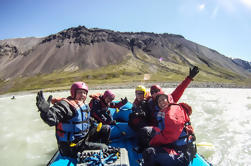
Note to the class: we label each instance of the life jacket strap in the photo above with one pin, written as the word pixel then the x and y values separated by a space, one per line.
pixel 80 132
pixel 62 131
pixel 84 121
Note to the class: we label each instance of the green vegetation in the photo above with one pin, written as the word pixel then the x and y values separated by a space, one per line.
pixel 131 70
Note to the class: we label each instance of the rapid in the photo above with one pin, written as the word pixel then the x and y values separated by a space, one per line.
pixel 221 119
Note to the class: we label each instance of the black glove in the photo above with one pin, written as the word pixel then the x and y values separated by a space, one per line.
pixel 124 101
pixel 193 72
pixel 41 103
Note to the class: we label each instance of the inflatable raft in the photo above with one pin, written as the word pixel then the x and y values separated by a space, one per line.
pixel 122 147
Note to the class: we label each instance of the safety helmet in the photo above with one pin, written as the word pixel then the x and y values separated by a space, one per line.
pixel 155 89
pixel 78 85
pixel 141 88
pixel 108 93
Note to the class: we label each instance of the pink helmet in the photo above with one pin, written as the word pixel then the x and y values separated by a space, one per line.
pixel 108 93
pixel 78 85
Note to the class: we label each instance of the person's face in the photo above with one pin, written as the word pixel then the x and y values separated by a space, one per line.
pixel 162 101
pixel 139 95
pixel 154 93
pixel 81 95
pixel 108 100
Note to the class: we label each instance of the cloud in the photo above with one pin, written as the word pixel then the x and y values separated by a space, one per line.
pixel 201 7
pixel 232 5
pixel 247 3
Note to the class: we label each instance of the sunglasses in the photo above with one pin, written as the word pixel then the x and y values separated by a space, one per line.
pixel 154 91
pixel 139 93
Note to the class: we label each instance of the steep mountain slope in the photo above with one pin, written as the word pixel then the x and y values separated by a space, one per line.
pixel 23 44
pixel 85 50
pixel 244 64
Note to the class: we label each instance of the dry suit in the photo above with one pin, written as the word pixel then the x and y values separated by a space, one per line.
pixel 173 98
pixel 172 142
pixel 74 129
pixel 99 109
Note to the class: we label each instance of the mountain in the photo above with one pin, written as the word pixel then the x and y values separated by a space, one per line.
pixel 244 64
pixel 100 54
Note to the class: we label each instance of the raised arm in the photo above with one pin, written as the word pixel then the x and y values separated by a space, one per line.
pixel 52 115
pixel 178 92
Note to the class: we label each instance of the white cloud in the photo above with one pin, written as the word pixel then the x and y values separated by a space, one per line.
pixel 201 7
pixel 232 5
pixel 247 3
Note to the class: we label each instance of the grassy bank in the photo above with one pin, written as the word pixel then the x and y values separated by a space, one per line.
pixel 126 74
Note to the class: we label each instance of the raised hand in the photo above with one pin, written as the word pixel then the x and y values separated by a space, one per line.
pixel 41 103
pixel 124 101
pixel 193 72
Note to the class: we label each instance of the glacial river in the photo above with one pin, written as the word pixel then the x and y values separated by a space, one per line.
pixel 221 119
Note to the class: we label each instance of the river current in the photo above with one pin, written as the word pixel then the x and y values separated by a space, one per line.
pixel 221 119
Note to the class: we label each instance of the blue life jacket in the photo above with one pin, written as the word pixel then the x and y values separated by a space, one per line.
pixel 77 127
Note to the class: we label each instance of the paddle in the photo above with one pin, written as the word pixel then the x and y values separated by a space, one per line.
pixel 205 144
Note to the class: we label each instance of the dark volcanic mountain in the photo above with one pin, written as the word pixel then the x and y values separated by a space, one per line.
pixel 79 48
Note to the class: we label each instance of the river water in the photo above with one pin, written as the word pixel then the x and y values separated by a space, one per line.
pixel 221 119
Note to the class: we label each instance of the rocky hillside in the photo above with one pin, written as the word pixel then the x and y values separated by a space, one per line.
pixel 81 49
pixel 244 64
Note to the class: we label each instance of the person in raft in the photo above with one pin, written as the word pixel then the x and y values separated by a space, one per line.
pixel 145 108
pixel 75 130
pixel 99 105
pixel 173 97
pixel 140 114
pixel 151 109
pixel 173 141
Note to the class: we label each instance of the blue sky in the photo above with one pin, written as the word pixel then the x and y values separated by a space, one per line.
pixel 223 25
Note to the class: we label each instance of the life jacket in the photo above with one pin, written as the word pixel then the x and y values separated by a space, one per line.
pixel 186 140
pixel 103 106
pixel 148 95
pixel 139 116
pixel 75 128
pixel 153 111
pixel 98 96
pixel 99 109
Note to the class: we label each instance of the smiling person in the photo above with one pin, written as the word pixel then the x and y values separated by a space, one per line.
pixel 173 141
pixel 173 97
pixel 71 117
pixel 140 114
pixel 100 103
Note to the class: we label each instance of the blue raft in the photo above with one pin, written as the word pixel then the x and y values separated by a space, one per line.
pixel 121 137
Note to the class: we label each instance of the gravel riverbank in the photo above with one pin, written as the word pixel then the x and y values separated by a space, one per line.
pixel 169 85
pixel 134 84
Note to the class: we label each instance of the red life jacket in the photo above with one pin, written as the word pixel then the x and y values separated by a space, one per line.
pixel 176 120
pixel 97 96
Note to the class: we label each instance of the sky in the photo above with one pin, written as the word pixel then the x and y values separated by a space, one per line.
pixel 222 25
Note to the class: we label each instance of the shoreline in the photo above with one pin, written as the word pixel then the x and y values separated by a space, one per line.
pixel 133 85
pixel 170 85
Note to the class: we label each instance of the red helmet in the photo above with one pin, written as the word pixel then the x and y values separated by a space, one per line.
pixel 78 85
pixel 155 89
pixel 108 93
